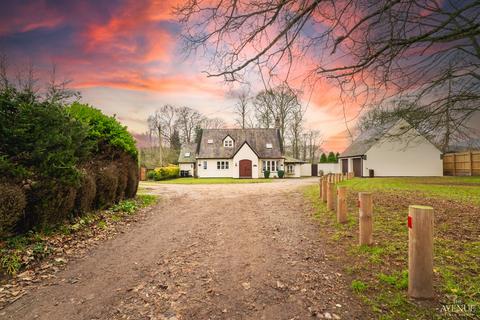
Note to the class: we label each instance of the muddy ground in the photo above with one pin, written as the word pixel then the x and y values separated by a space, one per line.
pixel 239 251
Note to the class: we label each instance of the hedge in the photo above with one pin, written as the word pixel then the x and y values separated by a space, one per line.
pixel 164 173
pixel 12 208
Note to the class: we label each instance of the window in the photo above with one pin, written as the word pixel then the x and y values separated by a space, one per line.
pixel 205 165
pixel 269 146
pixel 290 168
pixel 222 165
pixel 209 141
pixel 187 154
pixel 228 143
pixel 270 165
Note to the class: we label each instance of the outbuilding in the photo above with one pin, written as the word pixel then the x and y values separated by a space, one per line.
pixel 396 150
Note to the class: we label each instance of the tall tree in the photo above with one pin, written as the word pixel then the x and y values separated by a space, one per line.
pixel 242 110
pixel 372 50
pixel 187 120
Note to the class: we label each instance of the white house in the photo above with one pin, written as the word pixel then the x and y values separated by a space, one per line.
pixel 394 150
pixel 235 153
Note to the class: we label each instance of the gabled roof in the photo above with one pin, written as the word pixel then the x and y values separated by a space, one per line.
pixel 366 140
pixel 187 148
pixel 257 139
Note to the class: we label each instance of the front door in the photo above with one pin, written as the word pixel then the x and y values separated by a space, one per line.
pixel 314 170
pixel 357 167
pixel 344 165
pixel 245 167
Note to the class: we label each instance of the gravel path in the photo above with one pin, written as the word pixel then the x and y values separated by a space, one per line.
pixel 238 251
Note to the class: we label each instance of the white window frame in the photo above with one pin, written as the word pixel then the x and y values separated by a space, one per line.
pixel 205 165
pixel 223 165
pixel 228 143
pixel 270 165
pixel 290 168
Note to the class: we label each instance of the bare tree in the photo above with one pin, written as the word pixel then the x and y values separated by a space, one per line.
pixel 213 123
pixel 242 110
pixel 188 119
pixel 296 129
pixel 373 50
pixel 276 108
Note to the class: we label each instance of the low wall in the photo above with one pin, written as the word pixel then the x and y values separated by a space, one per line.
pixel 329 168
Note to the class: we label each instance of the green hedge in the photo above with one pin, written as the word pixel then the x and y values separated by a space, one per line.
pixel 58 161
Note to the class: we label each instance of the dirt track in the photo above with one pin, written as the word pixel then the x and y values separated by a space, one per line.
pixel 246 251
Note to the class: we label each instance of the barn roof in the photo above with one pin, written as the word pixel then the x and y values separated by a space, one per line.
pixel 366 140
pixel 293 160
pixel 187 153
pixel 257 139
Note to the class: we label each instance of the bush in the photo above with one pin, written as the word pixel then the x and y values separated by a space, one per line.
pixel 164 173
pixel 132 181
pixel 323 158
pixel 151 175
pixel 86 193
pixel 266 174
pixel 280 173
pixel 49 203
pixel 104 131
pixel 107 183
pixel 12 208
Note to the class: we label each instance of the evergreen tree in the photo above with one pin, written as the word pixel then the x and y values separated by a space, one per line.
pixel 175 142
pixel 323 158
pixel 331 157
pixel 336 156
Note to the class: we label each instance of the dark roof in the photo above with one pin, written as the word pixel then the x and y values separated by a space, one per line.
pixel 257 139
pixel 365 141
pixel 187 148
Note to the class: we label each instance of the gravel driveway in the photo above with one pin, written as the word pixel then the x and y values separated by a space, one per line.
pixel 236 251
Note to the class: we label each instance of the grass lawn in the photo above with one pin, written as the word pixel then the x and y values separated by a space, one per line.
pixel 379 273
pixel 206 181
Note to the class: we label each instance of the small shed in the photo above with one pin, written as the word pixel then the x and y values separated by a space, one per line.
pixel 293 167
pixel 395 150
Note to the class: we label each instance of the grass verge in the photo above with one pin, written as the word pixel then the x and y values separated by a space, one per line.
pixel 379 273
pixel 23 251
pixel 206 181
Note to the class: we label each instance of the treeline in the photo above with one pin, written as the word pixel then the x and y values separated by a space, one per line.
pixel 58 159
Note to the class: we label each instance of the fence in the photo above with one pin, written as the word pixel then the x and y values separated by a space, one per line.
pixel 462 164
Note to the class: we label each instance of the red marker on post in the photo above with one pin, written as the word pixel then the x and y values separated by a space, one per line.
pixel 410 222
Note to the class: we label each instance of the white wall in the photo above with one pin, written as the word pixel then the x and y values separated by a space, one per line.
pixel 245 153
pixel 297 168
pixel 306 169
pixel 408 155
pixel 212 171
pixel 330 168
pixel 186 167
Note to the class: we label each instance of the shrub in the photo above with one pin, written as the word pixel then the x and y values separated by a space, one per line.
pixel 107 182
pixel 331 157
pixel 151 175
pixel 49 203
pixel 280 173
pixel 164 173
pixel 13 202
pixel 132 181
pixel 266 173
pixel 86 193
pixel 323 158
pixel 122 175
pixel 103 130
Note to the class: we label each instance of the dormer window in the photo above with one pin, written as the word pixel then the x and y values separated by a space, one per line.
pixel 269 146
pixel 228 142
pixel 210 141
pixel 187 154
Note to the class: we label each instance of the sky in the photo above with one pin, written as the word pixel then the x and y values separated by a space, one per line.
pixel 126 58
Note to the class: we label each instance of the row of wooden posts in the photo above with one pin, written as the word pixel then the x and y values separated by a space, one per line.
pixel 419 224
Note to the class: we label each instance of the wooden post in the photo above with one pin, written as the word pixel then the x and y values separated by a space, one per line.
pixel 420 252
pixel 331 196
pixel 324 189
pixel 365 204
pixel 320 187
pixel 342 204
pixel 454 165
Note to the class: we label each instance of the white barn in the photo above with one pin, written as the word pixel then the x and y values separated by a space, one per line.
pixel 393 151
